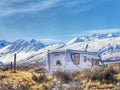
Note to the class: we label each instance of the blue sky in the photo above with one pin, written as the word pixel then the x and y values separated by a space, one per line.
pixel 59 20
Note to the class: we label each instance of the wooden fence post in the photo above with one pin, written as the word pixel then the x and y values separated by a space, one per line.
pixel 119 66
pixel 15 62
pixel 11 65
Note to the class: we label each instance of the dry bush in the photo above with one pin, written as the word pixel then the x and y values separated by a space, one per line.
pixel 86 74
pixel 106 75
pixel 76 76
pixel 98 77
pixel 12 71
pixel 117 76
pixel 4 68
pixel 39 78
pixel 10 85
pixel 2 76
pixel 64 77
pixel 101 74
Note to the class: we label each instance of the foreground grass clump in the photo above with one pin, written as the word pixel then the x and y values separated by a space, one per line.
pixel 64 77
pixel 106 75
pixel 39 78
pixel 99 78
pixel 19 80
pixel 12 85
pixel 25 80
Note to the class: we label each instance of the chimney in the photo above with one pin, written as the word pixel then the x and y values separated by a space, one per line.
pixel 86 47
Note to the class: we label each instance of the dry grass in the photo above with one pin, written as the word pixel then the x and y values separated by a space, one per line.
pixel 63 77
pixel 21 80
pixel 19 76
pixel 102 78
pixel 118 76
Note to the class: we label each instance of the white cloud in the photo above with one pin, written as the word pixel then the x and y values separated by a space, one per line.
pixel 11 7
pixel 113 30
pixel 7 8
pixel 102 31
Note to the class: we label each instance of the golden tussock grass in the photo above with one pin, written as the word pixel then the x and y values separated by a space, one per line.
pixel 117 76
pixel 21 79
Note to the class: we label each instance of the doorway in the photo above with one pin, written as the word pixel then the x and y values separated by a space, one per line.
pixel 58 65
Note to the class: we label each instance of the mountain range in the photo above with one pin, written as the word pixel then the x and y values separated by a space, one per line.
pixel 34 51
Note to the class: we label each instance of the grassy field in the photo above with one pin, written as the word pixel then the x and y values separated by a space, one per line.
pixel 24 80
pixel 86 80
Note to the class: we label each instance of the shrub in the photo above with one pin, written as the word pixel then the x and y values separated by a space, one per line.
pixel 63 76
pixel 8 85
pixel 4 68
pixel 76 76
pixel 86 73
pixel 103 74
pixel 39 78
pixel 108 75
pixel 3 76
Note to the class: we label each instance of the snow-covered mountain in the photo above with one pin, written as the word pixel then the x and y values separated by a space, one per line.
pixel 35 51
pixel 25 50
pixel 106 44
pixel 102 35
pixel 75 40
pixel 107 47
pixel 3 43
pixel 92 37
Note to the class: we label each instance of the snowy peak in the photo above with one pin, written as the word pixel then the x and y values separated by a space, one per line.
pixel 102 35
pixel 36 45
pixel 18 45
pixel 75 40
pixel 110 35
pixel 92 37
pixel 3 43
pixel 23 45
pixel 33 40
pixel 50 41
